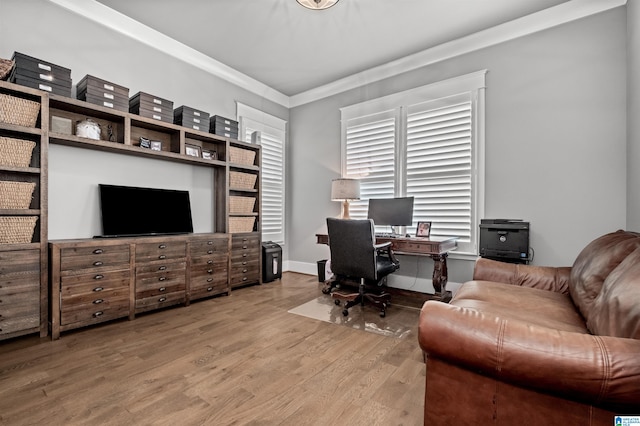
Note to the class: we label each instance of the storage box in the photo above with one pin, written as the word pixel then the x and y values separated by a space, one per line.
pixel 191 118
pixel 17 229
pixel 38 74
pixel 245 157
pixel 241 224
pixel 242 181
pixel 104 93
pixel 222 126
pixel 150 106
pixel 238 204
pixel 15 152
pixel 18 111
pixel 16 195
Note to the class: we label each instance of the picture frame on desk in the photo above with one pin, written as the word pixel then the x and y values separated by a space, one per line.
pixel 423 229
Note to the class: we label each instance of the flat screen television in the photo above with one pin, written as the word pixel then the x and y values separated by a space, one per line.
pixel 132 211
pixel 391 211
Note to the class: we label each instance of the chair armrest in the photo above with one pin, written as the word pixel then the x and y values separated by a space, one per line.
pixel 388 249
pixel 541 277
pixel 598 369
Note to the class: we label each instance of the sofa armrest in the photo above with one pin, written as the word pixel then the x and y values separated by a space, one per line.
pixel 596 369
pixel 541 277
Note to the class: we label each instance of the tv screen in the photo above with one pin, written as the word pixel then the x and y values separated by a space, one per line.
pixel 391 211
pixel 132 211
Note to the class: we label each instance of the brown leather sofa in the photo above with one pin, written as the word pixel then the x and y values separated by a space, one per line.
pixel 533 345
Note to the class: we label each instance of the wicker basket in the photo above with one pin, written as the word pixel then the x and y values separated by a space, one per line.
pixel 6 65
pixel 15 152
pixel 239 180
pixel 241 224
pixel 241 204
pixel 16 195
pixel 18 111
pixel 241 156
pixel 17 229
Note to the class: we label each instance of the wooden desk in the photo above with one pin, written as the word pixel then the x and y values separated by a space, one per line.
pixel 437 248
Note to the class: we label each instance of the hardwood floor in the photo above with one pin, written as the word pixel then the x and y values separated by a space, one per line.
pixel 232 360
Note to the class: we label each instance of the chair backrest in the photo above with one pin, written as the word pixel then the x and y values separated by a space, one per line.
pixel 352 248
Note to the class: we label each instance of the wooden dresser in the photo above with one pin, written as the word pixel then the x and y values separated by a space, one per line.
pixel 245 259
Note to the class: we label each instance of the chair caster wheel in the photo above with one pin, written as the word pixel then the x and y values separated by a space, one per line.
pixel 326 290
pixel 345 312
pixel 337 302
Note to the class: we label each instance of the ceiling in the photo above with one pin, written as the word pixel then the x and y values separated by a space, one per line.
pixel 292 49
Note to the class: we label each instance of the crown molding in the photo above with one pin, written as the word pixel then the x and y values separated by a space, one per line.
pixel 116 21
pixel 545 19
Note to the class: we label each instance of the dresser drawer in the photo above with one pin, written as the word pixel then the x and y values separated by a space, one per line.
pixel 160 301
pixel 172 277
pixel 218 245
pixel 159 268
pixel 74 260
pixel 79 315
pixel 246 273
pixel 19 305
pixel 159 288
pixel 94 300
pixel 245 241
pixel 10 282
pixel 170 250
pixel 15 323
pixel 210 289
pixel 94 282
pixel 18 262
pixel 217 262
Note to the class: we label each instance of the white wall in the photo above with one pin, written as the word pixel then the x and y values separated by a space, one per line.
pixel 555 141
pixel 633 126
pixel 41 29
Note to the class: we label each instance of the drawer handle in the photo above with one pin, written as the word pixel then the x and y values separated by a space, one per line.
pixel 162 278
pixel 244 254
pixel 245 239
pixel 97 314
pixel 209 280
pixel 97 263
pixel 98 277
pixel 98 301
pixel 244 278
pixel 98 251
pixel 162 299
pixel 97 289
pixel 244 263
pixel 162 289
pixel 162 268
pixel 209 251
pixel 209 271
pixel 244 247
pixel 209 288
pixel 209 243
pixel 209 262
pixel 162 257
pixel 162 246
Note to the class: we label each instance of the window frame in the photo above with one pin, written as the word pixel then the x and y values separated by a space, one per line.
pixel 400 103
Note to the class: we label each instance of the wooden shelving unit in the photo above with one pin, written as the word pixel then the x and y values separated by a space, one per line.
pixel 121 133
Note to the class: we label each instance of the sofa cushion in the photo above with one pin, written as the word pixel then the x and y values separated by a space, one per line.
pixel 594 264
pixel 533 306
pixel 616 310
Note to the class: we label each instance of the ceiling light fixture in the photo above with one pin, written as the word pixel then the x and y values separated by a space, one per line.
pixel 317 4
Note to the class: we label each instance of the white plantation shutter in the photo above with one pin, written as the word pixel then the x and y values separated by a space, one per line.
pixel 426 143
pixel 439 165
pixel 272 139
pixel 370 157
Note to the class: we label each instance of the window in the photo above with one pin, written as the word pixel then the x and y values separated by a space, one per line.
pixel 270 133
pixel 426 143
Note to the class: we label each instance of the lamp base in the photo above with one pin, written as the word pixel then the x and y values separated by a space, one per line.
pixel 345 210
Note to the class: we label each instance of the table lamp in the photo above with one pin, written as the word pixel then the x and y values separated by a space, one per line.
pixel 345 190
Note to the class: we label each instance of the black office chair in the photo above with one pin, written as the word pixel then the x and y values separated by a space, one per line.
pixel 355 255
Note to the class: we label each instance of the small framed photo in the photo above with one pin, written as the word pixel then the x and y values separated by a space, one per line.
pixel 193 150
pixel 424 229
pixel 156 146
pixel 206 154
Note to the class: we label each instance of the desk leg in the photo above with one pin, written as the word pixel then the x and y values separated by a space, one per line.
pixel 440 274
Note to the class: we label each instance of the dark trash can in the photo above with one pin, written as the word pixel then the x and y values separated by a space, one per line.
pixel 322 265
pixel 271 261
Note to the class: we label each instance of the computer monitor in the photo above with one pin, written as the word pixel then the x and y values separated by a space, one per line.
pixel 391 211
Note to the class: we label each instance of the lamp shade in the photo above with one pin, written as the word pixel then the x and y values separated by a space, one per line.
pixel 317 4
pixel 345 189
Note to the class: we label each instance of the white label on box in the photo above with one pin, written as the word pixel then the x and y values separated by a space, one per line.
pixel 157 101
pixel 196 113
pixel 108 104
pixel 107 87
pixel 196 127
pixel 156 109
pixel 228 129
pixel 46 77
pixel 228 135
pixel 44 67
pixel 44 87
pixel 108 95
pixel 196 120
pixel 227 122
pixel 157 117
